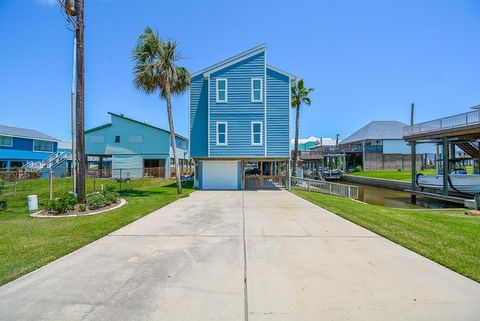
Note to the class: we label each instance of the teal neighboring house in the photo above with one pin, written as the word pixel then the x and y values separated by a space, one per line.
pixel 131 149
pixel 239 123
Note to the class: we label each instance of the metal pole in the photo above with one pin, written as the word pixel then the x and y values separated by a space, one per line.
pixel 413 156
pixel 51 185
pixel 74 165
pixel 445 166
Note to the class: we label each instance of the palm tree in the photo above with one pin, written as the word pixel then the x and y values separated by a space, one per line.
pixel 299 95
pixel 155 69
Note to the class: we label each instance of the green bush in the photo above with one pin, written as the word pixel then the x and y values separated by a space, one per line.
pixel 96 200
pixel 110 197
pixel 2 187
pixel 66 202
pixel 82 207
pixel 357 168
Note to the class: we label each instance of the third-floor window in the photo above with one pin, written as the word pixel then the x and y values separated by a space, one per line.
pixel 222 90
pixel 257 90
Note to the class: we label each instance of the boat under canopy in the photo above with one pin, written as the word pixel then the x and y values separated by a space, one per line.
pixel 463 183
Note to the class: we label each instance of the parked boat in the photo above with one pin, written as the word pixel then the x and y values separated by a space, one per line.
pixel 333 174
pixel 463 183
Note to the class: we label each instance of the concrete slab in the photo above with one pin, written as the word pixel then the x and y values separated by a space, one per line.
pixel 134 278
pixel 187 261
pixel 347 278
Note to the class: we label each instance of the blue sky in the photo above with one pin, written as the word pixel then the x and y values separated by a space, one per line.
pixel 367 60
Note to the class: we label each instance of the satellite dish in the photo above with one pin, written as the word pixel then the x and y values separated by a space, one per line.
pixel 69 6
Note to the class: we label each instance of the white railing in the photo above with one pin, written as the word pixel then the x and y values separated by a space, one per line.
pixel 460 120
pixel 337 189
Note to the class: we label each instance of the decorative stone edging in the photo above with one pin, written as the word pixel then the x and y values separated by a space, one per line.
pixel 122 203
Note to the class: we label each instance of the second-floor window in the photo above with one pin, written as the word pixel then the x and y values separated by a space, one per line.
pixel 6 141
pixel 222 133
pixel 256 133
pixel 42 146
pixel 257 90
pixel 222 90
pixel 117 139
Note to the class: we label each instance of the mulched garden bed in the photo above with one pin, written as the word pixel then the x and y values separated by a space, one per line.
pixel 77 212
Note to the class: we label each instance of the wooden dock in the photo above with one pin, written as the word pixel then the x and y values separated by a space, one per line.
pixel 447 198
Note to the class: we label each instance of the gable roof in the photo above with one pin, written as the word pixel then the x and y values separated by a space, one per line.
pixel 25 133
pixel 237 58
pixel 232 60
pixel 280 71
pixel 387 129
pixel 133 120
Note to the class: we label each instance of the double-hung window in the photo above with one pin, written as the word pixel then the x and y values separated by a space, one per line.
pixel 257 90
pixel 222 133
pixel 222 90
pixel 257 133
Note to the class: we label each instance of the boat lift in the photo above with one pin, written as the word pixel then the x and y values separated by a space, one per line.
pixel 462 131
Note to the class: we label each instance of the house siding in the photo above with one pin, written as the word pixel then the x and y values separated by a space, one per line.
pixel 22 150
pixel 199 117
pixel 239 111
pixel 278 110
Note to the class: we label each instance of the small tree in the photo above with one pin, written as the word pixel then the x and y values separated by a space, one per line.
pixel 299 95
pixel 156 70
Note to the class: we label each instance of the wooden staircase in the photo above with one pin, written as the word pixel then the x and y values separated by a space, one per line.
pixel 470 149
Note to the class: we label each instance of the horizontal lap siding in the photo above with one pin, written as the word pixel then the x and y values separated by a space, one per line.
pixel 278 109
pixel 198 117
pixel 239 111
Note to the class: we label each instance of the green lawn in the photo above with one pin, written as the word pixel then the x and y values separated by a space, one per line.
pixel 448 237
pixel 27 243
pixel 397 175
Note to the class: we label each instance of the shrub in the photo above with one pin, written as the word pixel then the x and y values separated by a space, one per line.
pixel 95 200
pixel 62 204
pixel 358 168
pixel 2 187
pixel 82 207
pixel 110 197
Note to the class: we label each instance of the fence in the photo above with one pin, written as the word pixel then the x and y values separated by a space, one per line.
pixel 337 189
pixel 17 180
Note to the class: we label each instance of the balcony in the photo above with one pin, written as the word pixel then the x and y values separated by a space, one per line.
pixel 444 125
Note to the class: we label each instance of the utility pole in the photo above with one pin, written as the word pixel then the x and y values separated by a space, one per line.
pixel 80 104
pixel 72 102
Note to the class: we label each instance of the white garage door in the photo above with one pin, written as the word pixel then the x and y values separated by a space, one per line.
pixel 220 175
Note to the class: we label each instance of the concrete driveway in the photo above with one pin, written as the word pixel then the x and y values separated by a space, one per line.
pixel 259 255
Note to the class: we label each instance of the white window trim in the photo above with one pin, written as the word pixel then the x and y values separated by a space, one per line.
pixel 226 133
pixel 226 90
pixel 252 89
pixel 41 151
pixel 261 133
pixel 11 145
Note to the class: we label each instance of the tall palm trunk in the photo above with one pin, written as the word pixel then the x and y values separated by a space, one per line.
pixel 295 151
pixel 80 106
pixel 172 139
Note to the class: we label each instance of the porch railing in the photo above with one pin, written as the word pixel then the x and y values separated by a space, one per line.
pixel 451 122
pixel 268 182
pixel 337 189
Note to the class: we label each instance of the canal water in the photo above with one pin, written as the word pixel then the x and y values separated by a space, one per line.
pixel 396 199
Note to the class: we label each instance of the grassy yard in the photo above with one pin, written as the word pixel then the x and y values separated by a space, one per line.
pixel 27 243
pixel 445 236
pixel 396 175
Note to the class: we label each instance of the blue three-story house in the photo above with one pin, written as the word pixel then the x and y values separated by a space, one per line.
pixel 239 123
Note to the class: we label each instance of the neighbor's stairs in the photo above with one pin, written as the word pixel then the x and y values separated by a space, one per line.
pixel 470 148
